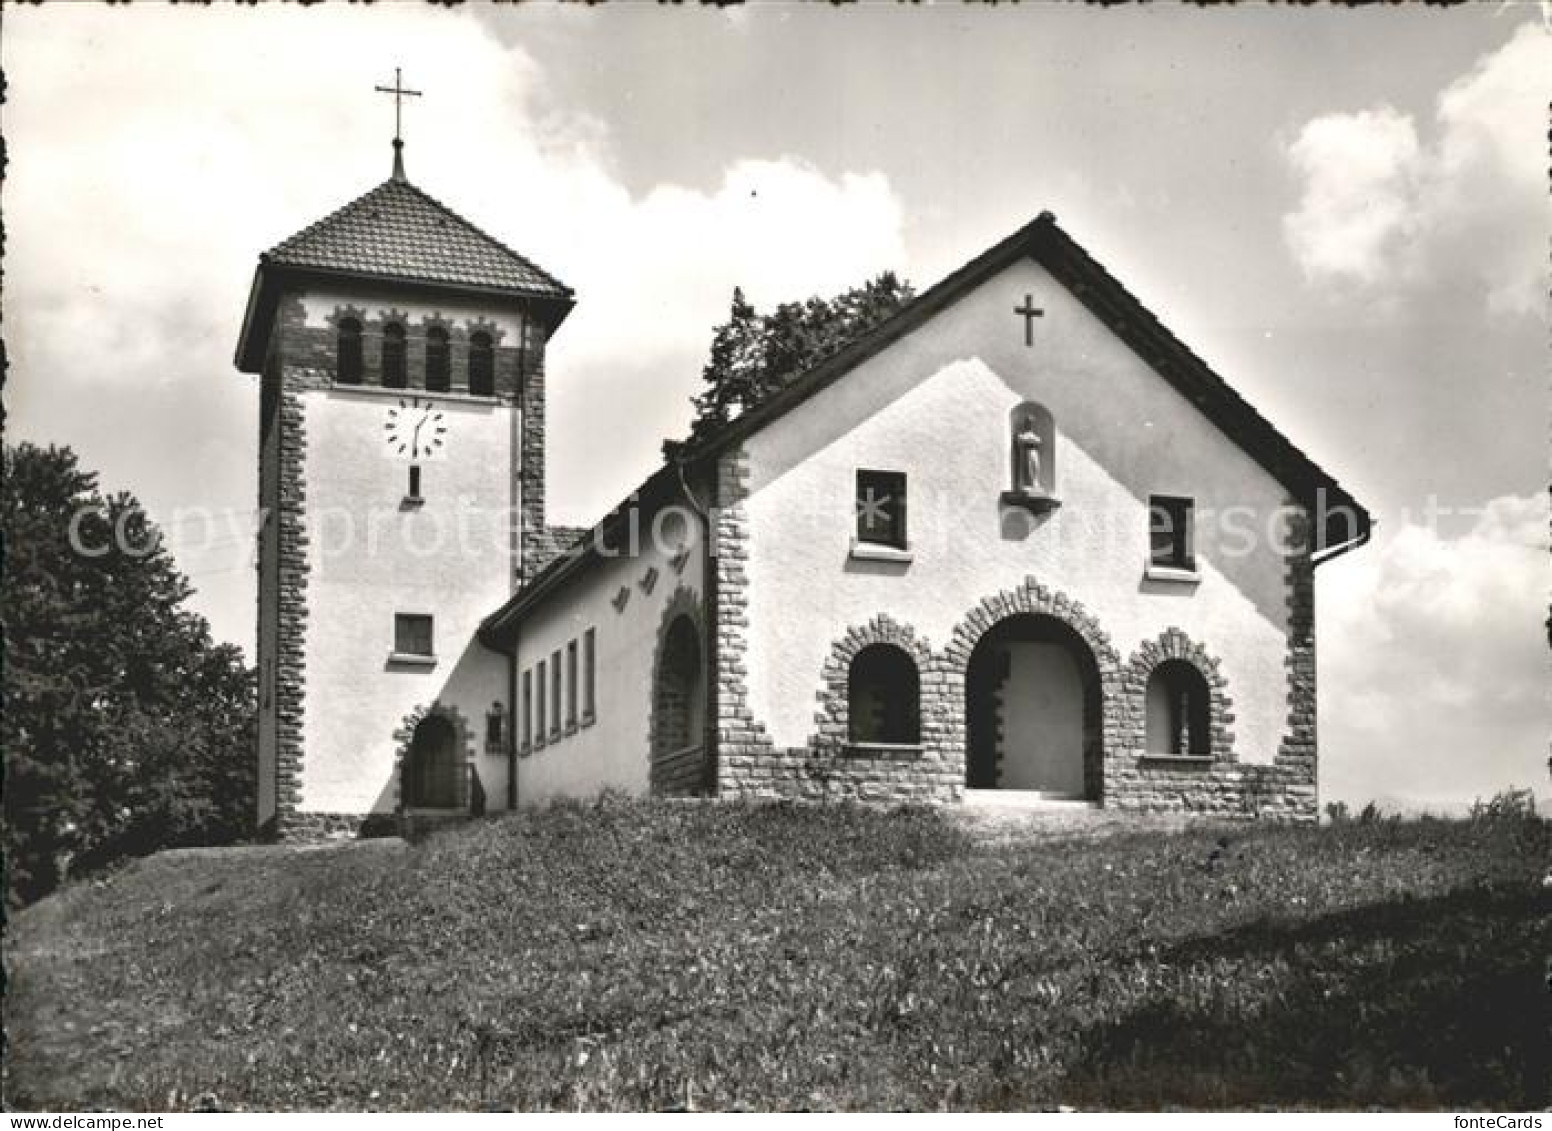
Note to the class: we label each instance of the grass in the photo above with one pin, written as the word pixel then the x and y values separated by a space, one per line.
pixel 641 955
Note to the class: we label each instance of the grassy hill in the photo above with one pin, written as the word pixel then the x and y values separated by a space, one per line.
pixel 660 955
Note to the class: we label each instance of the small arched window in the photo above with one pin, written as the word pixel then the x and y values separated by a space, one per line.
pixel 1179 723
pixel 884 697
pixel 394 373
pixel 438 369
pixel 348 352
pixel 482 365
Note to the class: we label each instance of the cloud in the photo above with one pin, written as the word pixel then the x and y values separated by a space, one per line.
pixel 143 187
pixel 1382 209
pixel 1357 171
pixel 771 227
pixel 1434 670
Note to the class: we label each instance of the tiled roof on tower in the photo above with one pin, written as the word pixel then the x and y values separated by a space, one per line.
pixel 397 231
pixel 398 235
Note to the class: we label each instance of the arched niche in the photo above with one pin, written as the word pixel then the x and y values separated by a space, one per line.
pixel 1031 458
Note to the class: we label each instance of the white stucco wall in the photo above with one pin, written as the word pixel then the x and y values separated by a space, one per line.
pixel 612 752
pixel 936 405
pixel 371 557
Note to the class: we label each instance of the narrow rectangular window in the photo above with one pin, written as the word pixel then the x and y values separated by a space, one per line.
pixel 412 634
pixel 881 508
pixel 555 694
pixel 394 372
pixel 571 686
pixel 528 709
pixel 589 678
pixel 1170 537
pixel 414 482
pixel 349 352
pixel 539 704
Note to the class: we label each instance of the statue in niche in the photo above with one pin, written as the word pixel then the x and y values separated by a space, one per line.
pixel 1026 464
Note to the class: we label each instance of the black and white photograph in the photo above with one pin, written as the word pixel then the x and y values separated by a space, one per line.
pixel 785 557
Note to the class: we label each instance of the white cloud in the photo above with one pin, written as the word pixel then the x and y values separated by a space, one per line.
pixel 1381 210
pixel 1357 171
pixel 1434 670
pixel 773 227
pixel 143 186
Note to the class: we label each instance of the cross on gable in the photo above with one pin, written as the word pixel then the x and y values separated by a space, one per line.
pixel 1030 312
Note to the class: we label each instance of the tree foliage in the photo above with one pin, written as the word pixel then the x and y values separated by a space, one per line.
pixel 754 355
pixel 126 729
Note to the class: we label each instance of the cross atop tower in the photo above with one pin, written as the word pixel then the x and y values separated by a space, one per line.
pixel 400 93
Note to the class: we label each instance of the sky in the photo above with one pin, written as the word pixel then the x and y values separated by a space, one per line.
pixel 1345 212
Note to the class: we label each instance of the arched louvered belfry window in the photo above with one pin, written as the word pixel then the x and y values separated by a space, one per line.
pixel 348 352
pixel 438 362
pixel 395 375
pixel 482 365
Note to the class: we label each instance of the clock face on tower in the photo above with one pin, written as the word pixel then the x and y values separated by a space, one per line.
pixel 416 430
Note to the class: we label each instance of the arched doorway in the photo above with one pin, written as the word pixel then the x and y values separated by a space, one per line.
pixel 1033 710
pixel 679 713
pixel 432 765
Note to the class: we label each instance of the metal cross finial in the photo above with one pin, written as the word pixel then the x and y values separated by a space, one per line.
pixel 1030 312
pixel 400 93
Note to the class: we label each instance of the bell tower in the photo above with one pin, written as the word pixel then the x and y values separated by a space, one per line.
pixel 401 356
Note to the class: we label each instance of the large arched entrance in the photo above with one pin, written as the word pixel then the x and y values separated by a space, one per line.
pixel 679 713
pixel 432 767
pixel 1033 710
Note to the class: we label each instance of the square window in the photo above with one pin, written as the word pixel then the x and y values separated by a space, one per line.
pixel 412 634
pixel 1171 539
pixel 881 508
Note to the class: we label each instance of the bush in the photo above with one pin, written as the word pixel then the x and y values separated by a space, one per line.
pixel 1506 805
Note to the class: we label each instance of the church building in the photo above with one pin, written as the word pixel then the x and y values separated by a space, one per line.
pixel 1018 537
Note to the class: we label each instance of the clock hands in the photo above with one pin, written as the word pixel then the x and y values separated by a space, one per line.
pixel 425 414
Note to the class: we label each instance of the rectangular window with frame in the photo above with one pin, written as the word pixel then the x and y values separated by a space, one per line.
pixel 881 508
pixel 528 709
pixel 589 677
pixel 1171 540
pixel 571 686
pixel 555 694
pixel 412 634
pixel 539 702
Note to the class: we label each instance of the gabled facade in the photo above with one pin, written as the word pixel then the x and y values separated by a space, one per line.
pixel 1018 537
